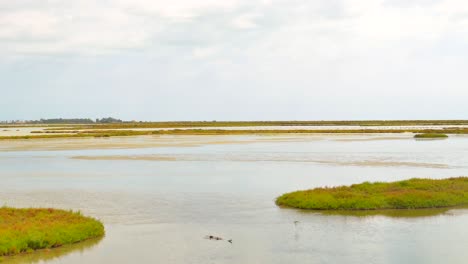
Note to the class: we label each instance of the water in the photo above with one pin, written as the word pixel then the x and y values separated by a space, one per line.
pixel 160 196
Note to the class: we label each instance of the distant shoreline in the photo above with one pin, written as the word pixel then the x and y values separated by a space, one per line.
pixel 121 129
pixel 180 124
pixel 211 132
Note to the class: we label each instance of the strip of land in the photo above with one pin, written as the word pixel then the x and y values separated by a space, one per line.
pixel 185 124
pixel 430 135
pixel 122 133
pixel 260 158
pixel 420 127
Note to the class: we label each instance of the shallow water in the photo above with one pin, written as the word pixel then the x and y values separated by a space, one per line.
pixel 8 131
pixel 160 196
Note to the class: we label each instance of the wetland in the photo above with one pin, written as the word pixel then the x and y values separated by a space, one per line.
pixel 159 196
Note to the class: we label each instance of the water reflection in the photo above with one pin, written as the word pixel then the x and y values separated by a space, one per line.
pixel 431 139
pixel 53 254
pixel 393 213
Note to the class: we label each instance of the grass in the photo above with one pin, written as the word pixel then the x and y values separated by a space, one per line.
pixel 408 194
pixel 26 230
pixel 430 135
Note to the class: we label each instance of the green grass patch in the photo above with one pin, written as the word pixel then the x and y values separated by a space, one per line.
pixel 26 230
pixel 408 194
pixel 430 135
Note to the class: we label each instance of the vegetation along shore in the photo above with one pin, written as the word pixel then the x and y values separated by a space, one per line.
pixel 431 135
pixel 121 133
pixel 407 194
pixel 26 230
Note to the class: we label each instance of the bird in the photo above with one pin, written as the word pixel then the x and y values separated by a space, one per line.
pixel 296 222
pixel 230 241
pixel 211 237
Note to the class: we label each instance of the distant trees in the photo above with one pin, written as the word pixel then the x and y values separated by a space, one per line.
pixel 64 121
pixel 105 120
pixel 108 120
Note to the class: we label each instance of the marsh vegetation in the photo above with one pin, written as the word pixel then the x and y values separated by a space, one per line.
pixel 407 194
pixel 122 133
pixel 25 230
pixel 188 124
pixel 431 135
pixel 111 127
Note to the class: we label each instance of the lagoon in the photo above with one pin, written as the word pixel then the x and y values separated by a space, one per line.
pixel 159 196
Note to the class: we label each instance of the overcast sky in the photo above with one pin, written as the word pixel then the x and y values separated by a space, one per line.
pixel 234 59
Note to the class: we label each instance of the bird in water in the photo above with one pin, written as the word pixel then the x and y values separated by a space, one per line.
pixel 210 237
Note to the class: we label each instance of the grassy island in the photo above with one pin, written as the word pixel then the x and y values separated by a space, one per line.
pixel 408 194
pixel 430 135
pixel 26 230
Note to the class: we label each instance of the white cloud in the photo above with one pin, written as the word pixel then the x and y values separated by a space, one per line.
pixel 93 27
pixel 86 26
pixel 27 24
pixel 201 53
pixel 177 9
pixel 245 21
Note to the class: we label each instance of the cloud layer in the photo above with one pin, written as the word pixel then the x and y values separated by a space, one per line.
pixel 293 59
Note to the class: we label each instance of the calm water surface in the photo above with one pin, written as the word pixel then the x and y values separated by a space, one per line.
pixel 160 196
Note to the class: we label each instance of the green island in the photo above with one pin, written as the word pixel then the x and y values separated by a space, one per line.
pixel 407 194
pixel 26 230
pixel 430 135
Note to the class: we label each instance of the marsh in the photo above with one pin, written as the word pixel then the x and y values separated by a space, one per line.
pixel 159 196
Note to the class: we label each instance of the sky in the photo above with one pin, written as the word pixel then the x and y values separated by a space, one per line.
pixel 234 59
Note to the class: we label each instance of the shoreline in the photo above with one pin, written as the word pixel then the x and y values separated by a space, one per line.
pixel 213 132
